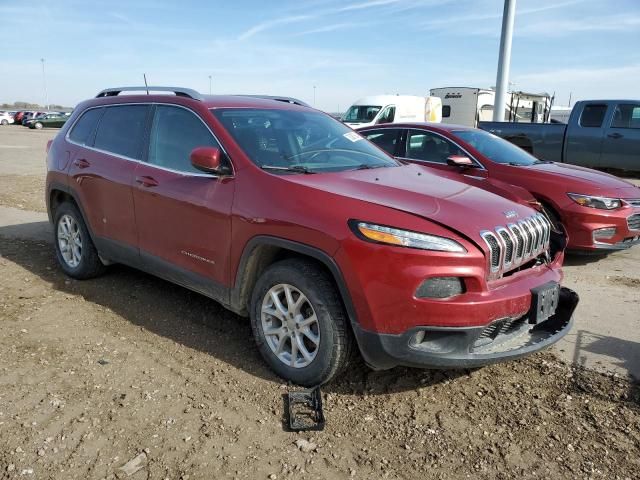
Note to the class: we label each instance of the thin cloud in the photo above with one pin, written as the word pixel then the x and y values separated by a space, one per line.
pixel 273 23
pixel 329 28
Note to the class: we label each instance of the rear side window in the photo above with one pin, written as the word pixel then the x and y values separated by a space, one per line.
pixel 593 115
pixel 385 139
pixel 626 116
pixel 174 134
pixel 121 130
pixel 84 127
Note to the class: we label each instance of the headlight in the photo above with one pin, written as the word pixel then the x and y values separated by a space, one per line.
pixel 406 238
pixel 602 203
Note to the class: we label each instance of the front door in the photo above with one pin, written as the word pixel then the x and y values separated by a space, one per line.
pixel 182 214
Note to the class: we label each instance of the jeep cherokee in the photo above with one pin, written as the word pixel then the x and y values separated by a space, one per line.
pixel 287 216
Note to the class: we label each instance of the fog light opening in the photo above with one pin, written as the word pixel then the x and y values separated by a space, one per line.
pixel 441 287
pixel 604 233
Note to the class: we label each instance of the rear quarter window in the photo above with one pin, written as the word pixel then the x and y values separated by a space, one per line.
pixel 121 130
pixel 83 129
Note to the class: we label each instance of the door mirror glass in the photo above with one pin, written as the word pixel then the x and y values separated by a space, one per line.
pixel 207 159
pixel 460 161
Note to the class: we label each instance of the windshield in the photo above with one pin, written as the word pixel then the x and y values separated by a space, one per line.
pixel 289 141
pixel 496 148
pixel 361 113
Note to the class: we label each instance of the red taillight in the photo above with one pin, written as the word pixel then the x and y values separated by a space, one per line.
pixel 49 145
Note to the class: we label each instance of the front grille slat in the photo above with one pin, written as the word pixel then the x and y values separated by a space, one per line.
pixel 517 244
pixel 634 222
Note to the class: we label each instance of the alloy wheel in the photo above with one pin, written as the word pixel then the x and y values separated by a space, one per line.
pixel 69 240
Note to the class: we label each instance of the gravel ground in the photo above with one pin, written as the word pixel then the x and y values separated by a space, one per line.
pixel 129 370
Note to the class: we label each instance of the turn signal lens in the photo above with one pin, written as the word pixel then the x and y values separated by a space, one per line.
pixel 406 238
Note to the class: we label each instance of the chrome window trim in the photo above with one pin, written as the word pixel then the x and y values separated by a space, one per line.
pixel 124 157
pixel 480 166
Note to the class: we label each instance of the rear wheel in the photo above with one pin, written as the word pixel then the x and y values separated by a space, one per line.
pixel 37 125
pixel 299 323
pixel 75 250
pixel 5 122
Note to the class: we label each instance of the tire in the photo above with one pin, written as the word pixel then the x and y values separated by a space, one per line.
pixel 80 261
pixel 37 126
pixel 553 217
pixel 5 122
pixel 334 346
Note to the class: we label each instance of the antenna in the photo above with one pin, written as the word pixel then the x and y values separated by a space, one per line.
pixel 145 82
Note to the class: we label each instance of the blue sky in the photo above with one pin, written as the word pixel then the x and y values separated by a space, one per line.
pixel 346 48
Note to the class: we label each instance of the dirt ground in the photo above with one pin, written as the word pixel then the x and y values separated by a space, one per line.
pixel 94 374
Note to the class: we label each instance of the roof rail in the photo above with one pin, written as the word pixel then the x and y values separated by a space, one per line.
pixel 278 98
pixel 178 91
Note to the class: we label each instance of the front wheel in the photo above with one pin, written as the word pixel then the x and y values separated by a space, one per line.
pixel 37 125
pixel 299 323
pixel 5 122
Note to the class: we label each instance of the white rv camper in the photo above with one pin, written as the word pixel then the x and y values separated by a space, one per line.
pixel 468 106
pixel 379 109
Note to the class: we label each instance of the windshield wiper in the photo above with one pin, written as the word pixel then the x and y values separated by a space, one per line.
pixel 366 166
pixel 292 168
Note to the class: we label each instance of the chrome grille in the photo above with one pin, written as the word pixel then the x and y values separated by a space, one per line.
pixel 634 222
pixel 517 243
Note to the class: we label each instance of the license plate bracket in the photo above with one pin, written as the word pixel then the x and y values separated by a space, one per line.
pixel 544 302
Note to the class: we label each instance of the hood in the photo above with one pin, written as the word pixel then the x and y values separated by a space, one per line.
pixel 588 181
pixel 415 190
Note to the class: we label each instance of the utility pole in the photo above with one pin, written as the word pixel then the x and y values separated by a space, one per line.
pixel 209 84
pixel 44 83
pixel 504 60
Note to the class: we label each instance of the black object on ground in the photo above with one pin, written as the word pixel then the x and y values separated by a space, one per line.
pixel 305 410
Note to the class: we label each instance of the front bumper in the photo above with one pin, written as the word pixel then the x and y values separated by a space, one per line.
pixel 581 222
pixel 466 347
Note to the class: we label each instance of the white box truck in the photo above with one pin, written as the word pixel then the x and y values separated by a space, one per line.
pixel 377 109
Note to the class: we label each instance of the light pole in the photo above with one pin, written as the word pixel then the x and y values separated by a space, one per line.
pixel 504 60
pixel 314 95
pixel 209 84
pixel 44 83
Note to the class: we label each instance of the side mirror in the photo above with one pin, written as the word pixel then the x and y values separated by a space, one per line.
pixel 207 159
pixel 460 161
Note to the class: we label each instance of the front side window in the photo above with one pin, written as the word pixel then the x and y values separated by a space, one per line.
pixel 83 129
pixel 121 130
pixel 361 113
pixel 593 115
pixel 387 115
pixel 386 139
pixel 626 115
pixel 496 148
pixel 294 141
pixel 174 134
pixel 429 147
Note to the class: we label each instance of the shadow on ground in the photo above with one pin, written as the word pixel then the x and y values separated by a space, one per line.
pixel 186 317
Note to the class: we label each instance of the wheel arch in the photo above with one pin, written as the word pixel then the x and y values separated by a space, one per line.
pixel 262 251
pixel 59 193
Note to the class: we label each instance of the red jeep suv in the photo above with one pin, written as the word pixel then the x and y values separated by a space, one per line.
pixel 289 217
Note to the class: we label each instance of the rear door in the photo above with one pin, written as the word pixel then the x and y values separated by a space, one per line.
pixel 621 143
pixel 102 166
pixel 182 214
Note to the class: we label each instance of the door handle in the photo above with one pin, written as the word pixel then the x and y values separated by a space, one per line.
pixel 146 181
pixel 615 135
pixel 81 163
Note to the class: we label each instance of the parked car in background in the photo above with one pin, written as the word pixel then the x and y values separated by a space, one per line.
pixel 288 216
pixel 50 120
pixel 600 212
pixel 19 115
pixel 599 134
pixel 378 109
pixel 6 118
